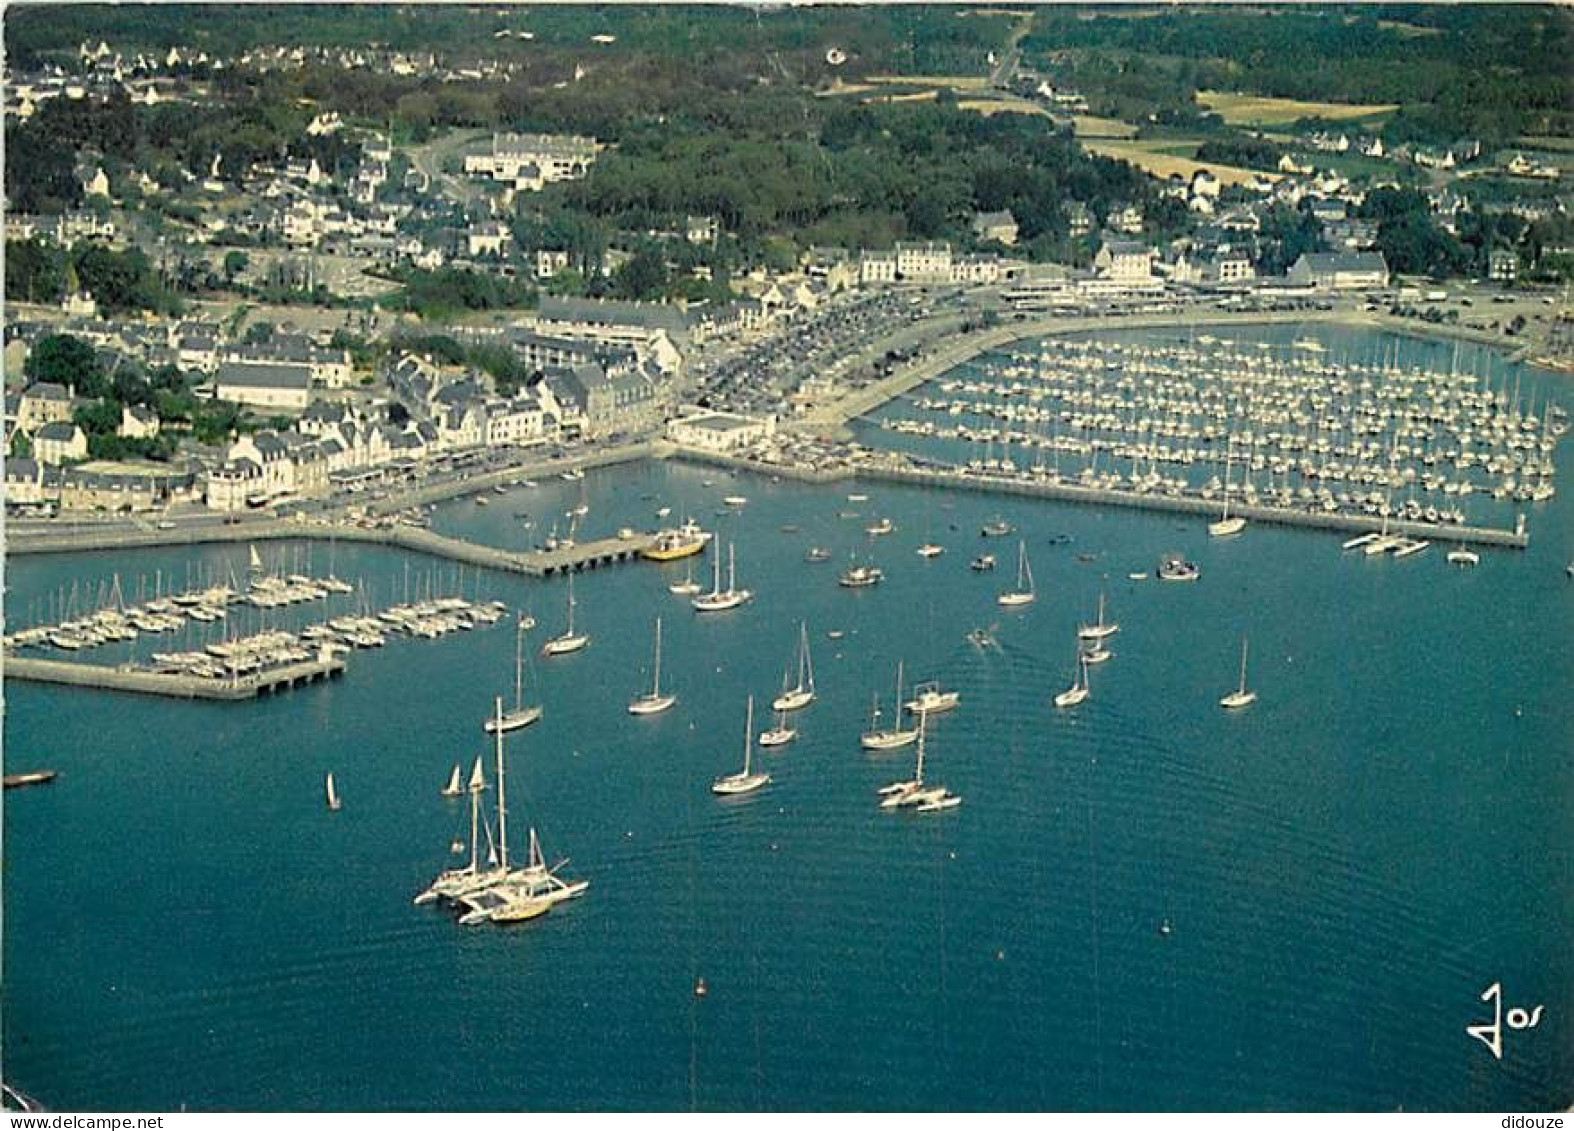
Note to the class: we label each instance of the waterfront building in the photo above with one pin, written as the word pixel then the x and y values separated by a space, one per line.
pixel 875 267
pixel 720 431
pixel 928 262
pixel 1124 261
pixel 655 331
pixel 1340 270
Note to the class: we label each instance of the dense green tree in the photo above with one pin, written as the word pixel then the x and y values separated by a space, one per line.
pixel 63 359
pixel 33 272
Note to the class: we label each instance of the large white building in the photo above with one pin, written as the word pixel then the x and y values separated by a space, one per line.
pixel 528 160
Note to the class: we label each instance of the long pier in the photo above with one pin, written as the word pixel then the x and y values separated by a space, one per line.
pixel 534 563
pixel 105 678
pixel 1186 504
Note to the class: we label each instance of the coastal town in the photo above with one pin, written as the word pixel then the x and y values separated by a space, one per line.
pixel 432 430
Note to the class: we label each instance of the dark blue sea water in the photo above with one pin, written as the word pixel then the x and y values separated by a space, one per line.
pixel 1346 865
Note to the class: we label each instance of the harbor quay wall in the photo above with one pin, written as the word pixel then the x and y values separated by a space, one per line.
pixel 755 467
pixel 105 678
pixel 1280 516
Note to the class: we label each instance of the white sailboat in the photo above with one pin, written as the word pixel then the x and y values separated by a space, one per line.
pixel 455 881
pixel 792 699
pixel 719 599
pixel 876 739
pixel 570 641
pixel 1078 691
pixel 1024 593
pixel 1240 697
pixel 333 796
pixel 688 586
pixel 520 715
pixel 1099 630
pixel 780 734
pixel 453 788
pixel 744 781
pixel 915 793
pixel 655 702
pixel 1227 526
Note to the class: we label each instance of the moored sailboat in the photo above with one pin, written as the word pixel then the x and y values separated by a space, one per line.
pixel 1240 697
pixel 1024 593
pixel 744 781
pixel 876 739
pixel 570 641
pixel 520 715
pixel 655 702
pixel 792 699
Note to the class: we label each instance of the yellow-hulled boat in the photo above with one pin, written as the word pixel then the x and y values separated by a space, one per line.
pixel 670 545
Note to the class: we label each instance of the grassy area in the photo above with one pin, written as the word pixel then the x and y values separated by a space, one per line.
pixel 988 106
pixel 1155 159
pixel 1551 144
pixel 954 82
pixel 1256 110
pixel 1087 125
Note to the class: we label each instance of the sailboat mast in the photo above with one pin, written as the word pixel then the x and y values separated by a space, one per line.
pixel 748 736
pixel 502 792
pixel 519 663
pixel 897 705
pixel 918 776
pixel 1243 663
pixel 476 785
pixel 656 688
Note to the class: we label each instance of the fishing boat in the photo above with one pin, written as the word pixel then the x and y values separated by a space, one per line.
pixel 1463 557
pixel 655 702
pixel 1078 691
pixel 983 563
pixel 861 577
pixel 1227 527
pixel 454 787
pixel 570 641
pixel 794 698
pixel 1099 629
pixel 683 542
pixel 857 498
pixel 1023 594
pixel 817 554
pixel 930 550
pixel 883 526
pixel 1177 568
pixel 1240 697
pixel 929 699
pixel 333 795
pixel 719 599
pixel 736 500
pixel 876 739
pixel 520 715
pixel 997 528
pixel 744 781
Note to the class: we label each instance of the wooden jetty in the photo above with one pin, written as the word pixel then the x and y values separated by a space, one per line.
pixel 534 563
pixel 101 677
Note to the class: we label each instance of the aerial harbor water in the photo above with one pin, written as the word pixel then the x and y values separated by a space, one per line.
pixel 1145 901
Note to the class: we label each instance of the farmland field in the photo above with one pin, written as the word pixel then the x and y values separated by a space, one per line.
pixel 1255 110
pixel 1154 158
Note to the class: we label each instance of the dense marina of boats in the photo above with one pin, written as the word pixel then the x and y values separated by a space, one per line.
pixel 1305 431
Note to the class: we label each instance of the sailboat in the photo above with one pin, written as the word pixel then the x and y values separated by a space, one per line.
pixel 1023 594
pixel 256 564
pixel 780 734
pixel 1240 697
pixel 1078 691
pixel 491 898
pixel 570 641
pixel 801 696
pixel 1099 630
pixel 688 586
pixel 719 599
pixel 333 796
pixel 876 739
pixel 521 715
pixel 1227 526
pixel 743 781
pixel 453 788
pixel 456 881
pixel 915 794
pixel 655 702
